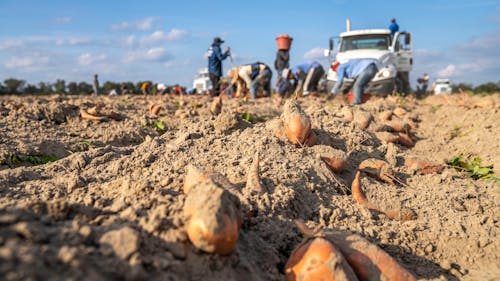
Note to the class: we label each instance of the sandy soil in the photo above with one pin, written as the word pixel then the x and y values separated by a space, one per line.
pixel 111 206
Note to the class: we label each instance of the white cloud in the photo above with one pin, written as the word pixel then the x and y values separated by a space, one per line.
pixel 72 42
pixel 63 20
pixel 88 58
pixel 145 24
pixel 160 36
pixel 152 55
pixel 34 60
pixel 315 54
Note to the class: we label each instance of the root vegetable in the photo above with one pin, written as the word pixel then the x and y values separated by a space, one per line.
pixel 387 137
pixel 87 116
pixel 93 111
pixel 358 195
pixel 399 111
pixel 253 178
pixel 368 261
pixel 154 109
pixel 489 102
pixel 317 259
pixel 396 126
pixel 347 114
pixel 335 163
pixel 363 119
pixel 193 177
pixel 216 106
pixel 296 123
pixel 213 218
pixel 378 169
pixel 405 139
pixel 386 115
pixel 423 167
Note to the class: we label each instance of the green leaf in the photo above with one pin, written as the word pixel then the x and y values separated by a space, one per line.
pixel 247 117
pixel 160 126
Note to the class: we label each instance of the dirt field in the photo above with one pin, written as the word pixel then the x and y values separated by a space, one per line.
pixel 111 206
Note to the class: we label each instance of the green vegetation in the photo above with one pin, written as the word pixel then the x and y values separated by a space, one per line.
pixel 247 117
pixel 435 108
pixel 18 159
pixel 474 168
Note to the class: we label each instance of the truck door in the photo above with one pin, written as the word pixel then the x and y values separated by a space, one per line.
pixel 402 49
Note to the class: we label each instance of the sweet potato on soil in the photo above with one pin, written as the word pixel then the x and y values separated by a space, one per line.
pixel 213 218
pixel 489 102
pixel 363 119
pixel 385 115
pixel 368 261
pixel 395 126
pixel 406 140
pixel 317 259
pixel 399 111
pixel 335 163
pixel 296 123
pixel 347 114
pixel 378 169
pixel 216 106
pixel 423 167
pixel 253 178
pixel 154 109
pixel 87 116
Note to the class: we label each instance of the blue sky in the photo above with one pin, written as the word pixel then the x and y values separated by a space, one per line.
pixel 165 41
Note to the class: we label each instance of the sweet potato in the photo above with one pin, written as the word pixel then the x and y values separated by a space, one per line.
pixel 368 261
pixel 296 123
pixel 337 164
pixel 363 119
pixel 385 115
pixel 347 114
pixel 154 109
pixel 216 106
pixel 213 217
pixel 423 167
pixel 317 259
pixel 406 140
pixel 399 111
pixel 87 116
pixel 378 169
pixel 253 178
pixel 489 102
pixel 357 193
pixel 396 126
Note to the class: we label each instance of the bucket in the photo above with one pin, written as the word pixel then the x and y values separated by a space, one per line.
pixel 284 41
pixel 350 97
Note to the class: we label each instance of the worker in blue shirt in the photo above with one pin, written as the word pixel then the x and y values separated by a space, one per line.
pixel 215 58
pixel 308 75
pixel 393 27
pixel 362 70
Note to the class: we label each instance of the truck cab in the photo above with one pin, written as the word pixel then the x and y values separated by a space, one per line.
pixel 394 57
pixel 201 82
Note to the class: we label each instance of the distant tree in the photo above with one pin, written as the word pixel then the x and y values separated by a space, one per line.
pixel 130 87
pixel 13 86
pixel 45 88
pixel 60 86
pixel 31 89
pixel 2 89
pixel 108 86
pixel 464 86
pixel 72 88
pixel 84 88
pixel 487 88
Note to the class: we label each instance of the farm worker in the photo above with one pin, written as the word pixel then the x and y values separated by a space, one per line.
pixel 96 85
pixel 145 88
pixel 287 83
pixel 160 88
pixel 178 90
pixel 362 70
pixel 281 62
pixel 215 58
pixel 393 27
pixel 308 75
pixel 252 76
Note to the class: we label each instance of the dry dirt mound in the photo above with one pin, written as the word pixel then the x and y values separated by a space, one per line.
pixel 111 207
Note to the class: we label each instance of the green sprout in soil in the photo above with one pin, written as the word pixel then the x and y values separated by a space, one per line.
pixel 86 142
pixel 247 117
pixel 473 168
pixel 18 159
pixel 435 108
pixel 159 126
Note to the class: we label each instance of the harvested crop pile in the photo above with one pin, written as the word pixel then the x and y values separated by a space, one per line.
pixel 81 199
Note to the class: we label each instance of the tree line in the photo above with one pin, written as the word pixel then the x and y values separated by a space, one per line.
pixel 14 86
pixel 17 86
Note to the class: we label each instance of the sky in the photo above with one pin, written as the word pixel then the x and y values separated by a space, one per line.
pixel 166 41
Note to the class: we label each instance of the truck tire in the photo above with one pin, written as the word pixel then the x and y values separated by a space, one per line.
pixel 329 86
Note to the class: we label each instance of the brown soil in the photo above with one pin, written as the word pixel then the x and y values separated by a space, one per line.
pixel 112 206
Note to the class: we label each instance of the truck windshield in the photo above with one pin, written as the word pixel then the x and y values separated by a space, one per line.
pixel 372 41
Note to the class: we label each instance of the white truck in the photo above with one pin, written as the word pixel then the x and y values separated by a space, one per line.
pixel 202 82
pixel 441 86
pixel 394 55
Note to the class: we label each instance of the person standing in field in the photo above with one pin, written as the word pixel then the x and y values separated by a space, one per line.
pixel 215 58
pixel 145 88
pixel 393 27
pixel 362 70
pixel 95 87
